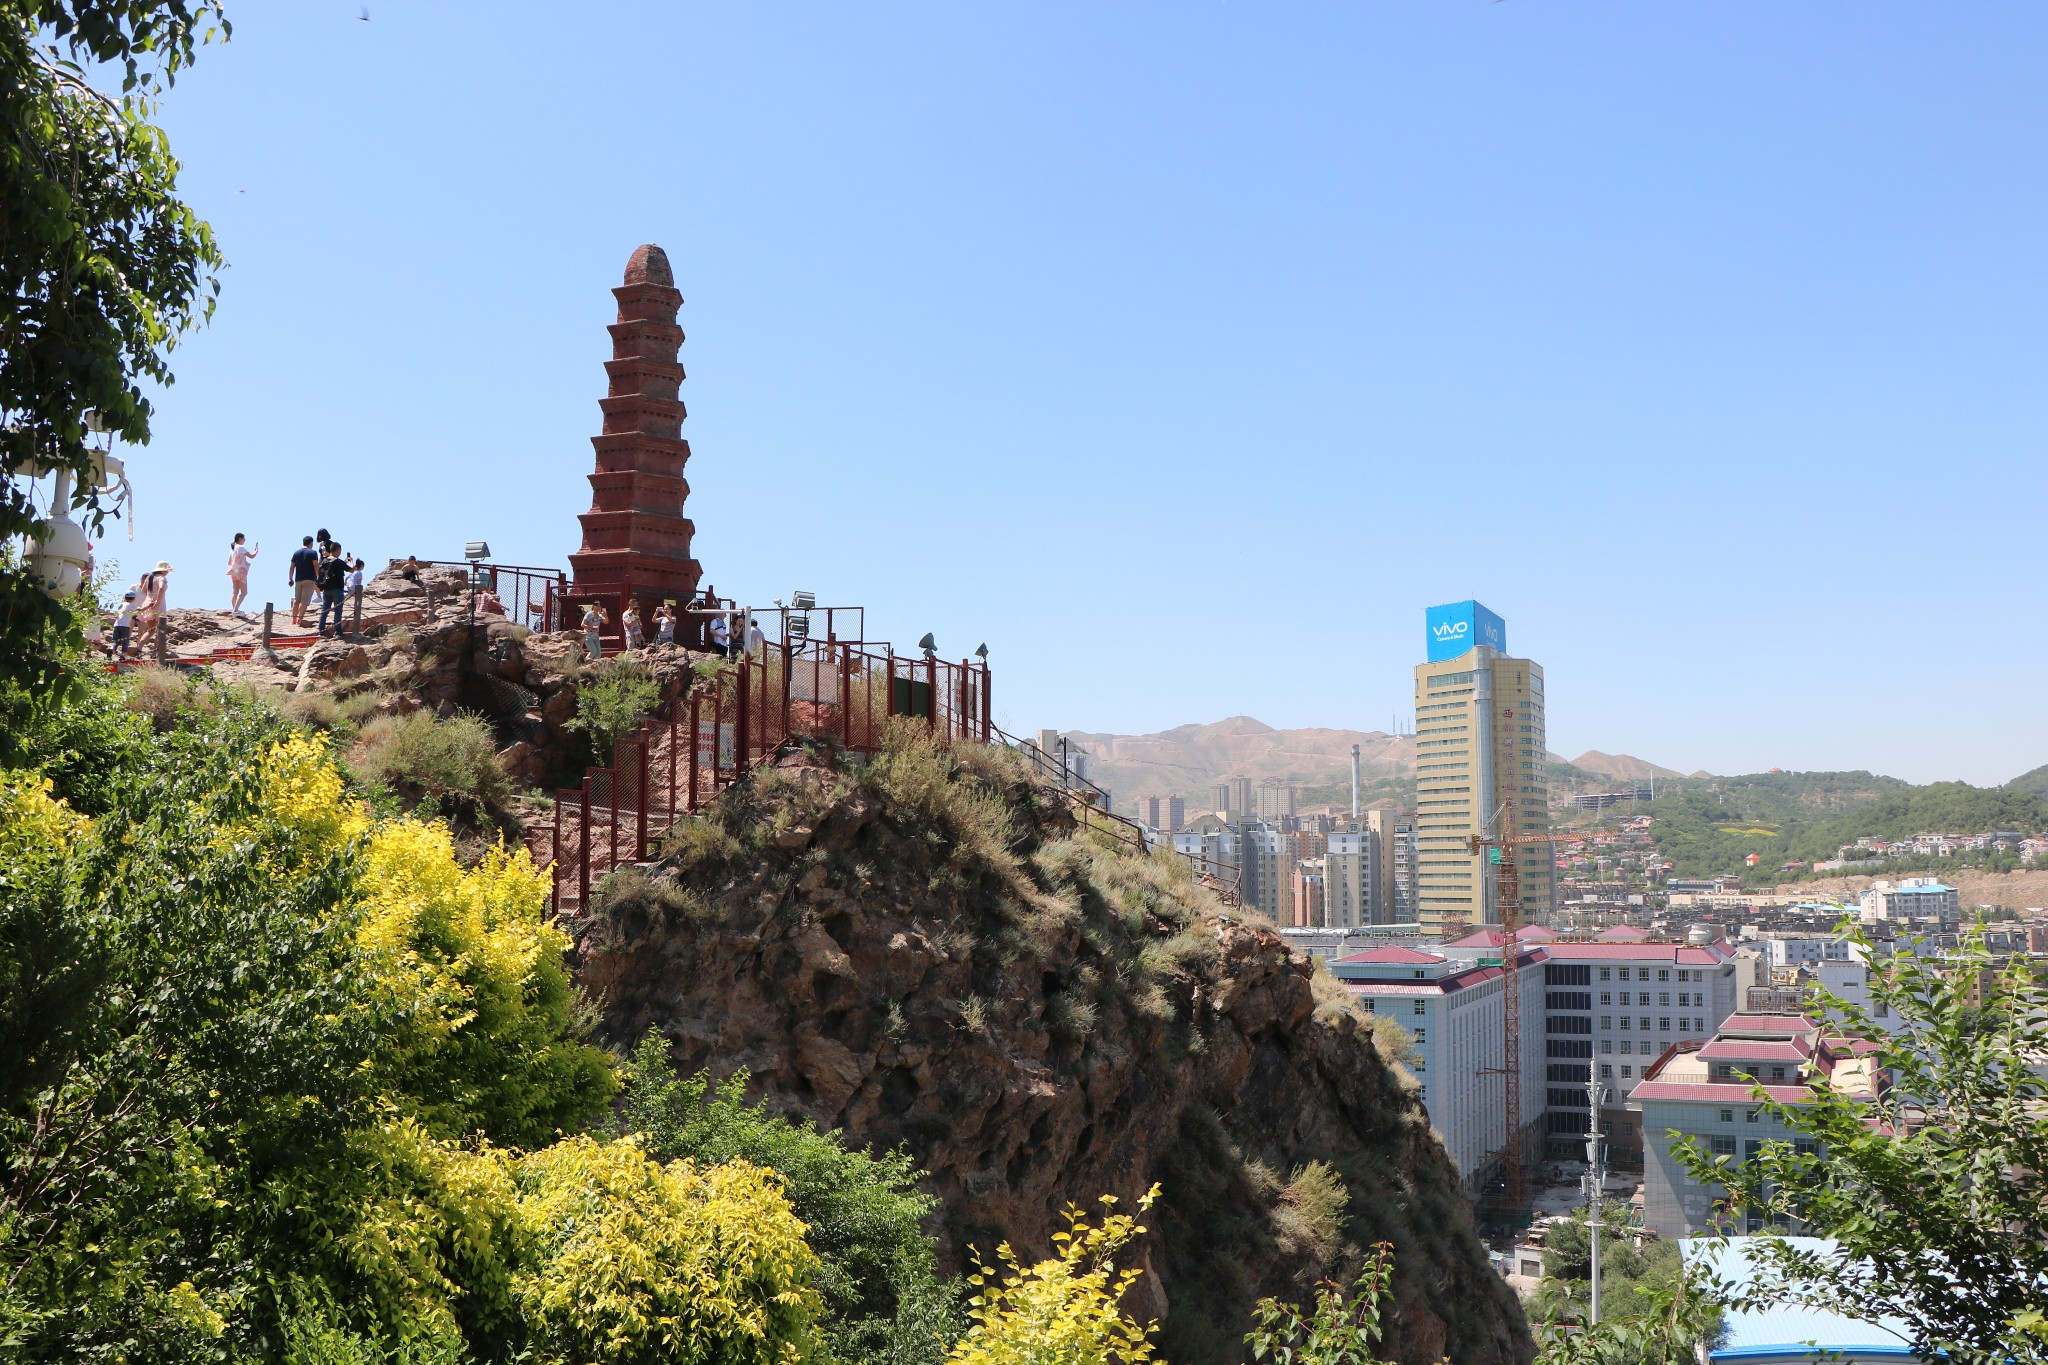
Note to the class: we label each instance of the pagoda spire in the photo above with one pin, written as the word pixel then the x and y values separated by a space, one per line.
pixel 636 539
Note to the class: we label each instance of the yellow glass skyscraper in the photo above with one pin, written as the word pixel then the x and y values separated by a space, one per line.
pixel 1480 770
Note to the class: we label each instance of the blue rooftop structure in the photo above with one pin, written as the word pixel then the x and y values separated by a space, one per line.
pixel 1784 1336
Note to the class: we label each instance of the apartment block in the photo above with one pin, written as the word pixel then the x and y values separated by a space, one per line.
pixel 1167 814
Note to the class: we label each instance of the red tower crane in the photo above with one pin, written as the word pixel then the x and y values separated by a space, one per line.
pixel 1504 848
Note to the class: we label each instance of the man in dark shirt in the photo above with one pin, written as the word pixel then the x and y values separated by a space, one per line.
pixel 300 576
pixel 333 587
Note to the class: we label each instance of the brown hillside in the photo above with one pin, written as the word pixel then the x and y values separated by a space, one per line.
pixel 931 955
pixel 1189 760
pixel 1625 767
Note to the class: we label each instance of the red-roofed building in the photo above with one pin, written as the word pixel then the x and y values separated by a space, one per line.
pixel 1705 1090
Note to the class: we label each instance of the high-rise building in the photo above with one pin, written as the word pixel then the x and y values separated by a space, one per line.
pixel 1263 879
pixel 1404 868
pixel 1234 797
pixel 1351 879
pixel 1163 813
pixel 1393 854
pixel 1276 800
pixel 1480 771
pixel 1310 908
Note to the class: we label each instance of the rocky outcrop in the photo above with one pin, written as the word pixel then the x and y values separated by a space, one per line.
pixel 942 962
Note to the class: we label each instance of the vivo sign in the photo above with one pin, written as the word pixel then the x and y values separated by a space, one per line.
pixel 1456 627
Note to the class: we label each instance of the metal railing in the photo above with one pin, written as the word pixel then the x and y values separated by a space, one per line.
pixel 701 742
pixel 525 592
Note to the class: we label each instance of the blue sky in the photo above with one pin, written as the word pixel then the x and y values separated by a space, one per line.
pixel 1185 353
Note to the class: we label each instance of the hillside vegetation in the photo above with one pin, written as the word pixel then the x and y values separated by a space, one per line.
pixel 1708 826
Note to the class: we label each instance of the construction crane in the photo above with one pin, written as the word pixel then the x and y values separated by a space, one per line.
pixel 1503 847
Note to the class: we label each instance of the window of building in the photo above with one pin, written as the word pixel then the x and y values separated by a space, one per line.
pixel 1627 1046
pixel 1604 971
pixel 1643 998
pixel 1626 1073
pixel 1606 1022
pixel 1607 1045
pixel 1663 997
pixel 1368 1006
pixel 1624 973
pixel 1422 1035
pixel 1663 1026
pixel 1777 1074
pixel 1723 1146
pixel 1606 997
pixel 1419 1007
pixel 1643 1024
pixel 1606 1072
pixel 1749 1117
pixel 1685 997
pixel 1806 1146
pixel 1727 1116
pixel 1663 973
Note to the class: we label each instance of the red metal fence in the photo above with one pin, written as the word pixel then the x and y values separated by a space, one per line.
pixel 694 747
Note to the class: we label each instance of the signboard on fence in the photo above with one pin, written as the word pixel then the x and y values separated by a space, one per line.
pixel 714 739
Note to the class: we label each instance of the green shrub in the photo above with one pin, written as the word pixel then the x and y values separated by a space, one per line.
pixel 453 762
pixel 1070 1015
pixel 610 704
pixel 1312 1209
pixel 633 897
pixel 884 1297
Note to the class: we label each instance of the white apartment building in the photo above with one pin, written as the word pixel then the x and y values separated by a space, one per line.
pixel 1454 1009
pixel 1352 869
pixel 1802 950
pixel 1916 898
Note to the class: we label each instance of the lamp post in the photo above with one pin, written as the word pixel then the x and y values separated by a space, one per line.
pixel 1596 1179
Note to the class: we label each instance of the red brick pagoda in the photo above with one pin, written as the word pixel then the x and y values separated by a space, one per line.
pixel 636 539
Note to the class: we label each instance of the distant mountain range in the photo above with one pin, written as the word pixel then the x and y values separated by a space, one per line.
pixel 1189 760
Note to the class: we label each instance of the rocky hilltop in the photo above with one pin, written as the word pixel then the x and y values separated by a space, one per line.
pixel 923 949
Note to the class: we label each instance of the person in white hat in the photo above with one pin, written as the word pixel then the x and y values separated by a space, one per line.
pixel 154 601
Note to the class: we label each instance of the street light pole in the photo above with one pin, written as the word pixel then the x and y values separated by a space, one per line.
pixel 1596 1180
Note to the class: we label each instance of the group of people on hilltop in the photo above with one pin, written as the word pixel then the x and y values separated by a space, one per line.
pixel 141 614
pixel 719 627
pixel 319 567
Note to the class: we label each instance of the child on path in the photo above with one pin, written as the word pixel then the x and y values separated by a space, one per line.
pixel 629 622
pixel 124 625
pixel 595 619
pixel 239 555
pixel 300 577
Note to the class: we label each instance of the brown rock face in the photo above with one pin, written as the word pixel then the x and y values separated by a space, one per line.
pixel 1041 1021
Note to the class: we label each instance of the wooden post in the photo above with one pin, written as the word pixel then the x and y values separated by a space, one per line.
pixel 696 716
pixel 640 835
pixel 555 864
pixel 740 726
pixel 931 685
pixel 163 638
pixel 269 612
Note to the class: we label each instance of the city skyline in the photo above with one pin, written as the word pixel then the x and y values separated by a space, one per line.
pixel 993 315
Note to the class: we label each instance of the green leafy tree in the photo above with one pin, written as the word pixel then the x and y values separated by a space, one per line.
pixel 1337 1330
pixel 884 1297
pixel 1933 1191
pixel 102 267
pixel 1066 1309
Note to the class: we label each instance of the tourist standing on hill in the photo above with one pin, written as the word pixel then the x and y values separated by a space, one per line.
pixel 155 596
pixel 629 624
pixel 665 624
pixel 720 636
pixel 595 618
pixel 239 555
pixel 300 576
pixel 333 587
pixel 124 625
pixel 755 638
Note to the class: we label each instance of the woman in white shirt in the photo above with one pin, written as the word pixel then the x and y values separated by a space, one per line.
pixel 239 555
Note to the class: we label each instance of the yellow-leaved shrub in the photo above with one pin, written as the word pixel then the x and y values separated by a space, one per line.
pixel 488 1045
pixel 633 1261
pixel 1066 1310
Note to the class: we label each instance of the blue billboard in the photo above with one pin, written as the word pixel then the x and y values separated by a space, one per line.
pixel 1457 626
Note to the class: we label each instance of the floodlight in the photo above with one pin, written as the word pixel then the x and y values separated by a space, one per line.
pixel 981 652
pixel 927 644
pixel 802 601
pixel 477 549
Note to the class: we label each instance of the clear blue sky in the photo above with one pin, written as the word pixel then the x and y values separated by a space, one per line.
pixel 1186 352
